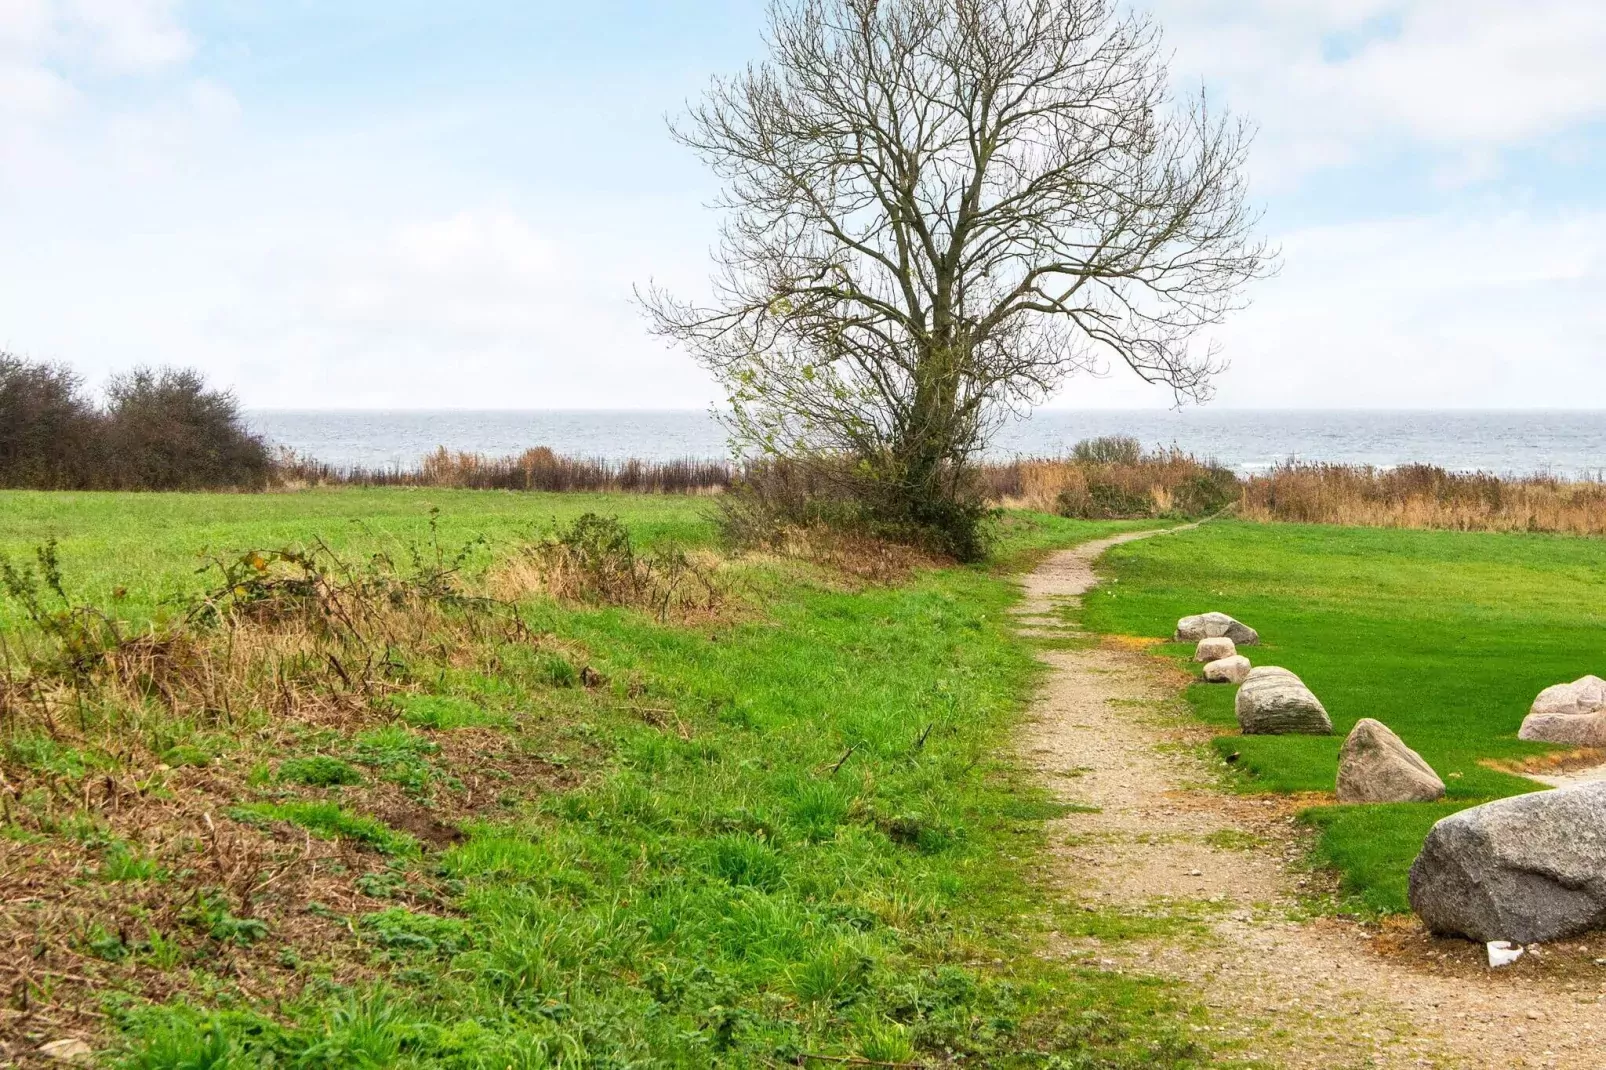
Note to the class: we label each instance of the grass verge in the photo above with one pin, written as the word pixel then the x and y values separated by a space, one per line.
pixel 479 835
pixel 1444 636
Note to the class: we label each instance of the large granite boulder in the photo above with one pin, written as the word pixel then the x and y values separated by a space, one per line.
pixel 1214 649
pixel 1528 869
pixel 1211 625
pixel 1273 702
pixel 1569 713
pixel 1231 670
pixel 1375 766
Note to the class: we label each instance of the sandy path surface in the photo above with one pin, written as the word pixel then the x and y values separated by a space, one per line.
pixel 1154 838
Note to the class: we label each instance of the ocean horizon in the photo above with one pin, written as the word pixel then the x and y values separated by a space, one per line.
pixel 1567 443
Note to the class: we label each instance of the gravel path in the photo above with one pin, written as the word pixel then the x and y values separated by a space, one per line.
pixel 1152 838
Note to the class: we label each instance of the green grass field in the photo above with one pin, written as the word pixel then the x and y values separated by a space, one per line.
pixel 1444 636
pixel 153 545
pixel 793 830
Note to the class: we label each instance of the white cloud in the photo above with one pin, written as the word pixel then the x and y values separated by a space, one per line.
pixel 1431 311
pixel 1328 79
pixel 126 36
pixel 110 36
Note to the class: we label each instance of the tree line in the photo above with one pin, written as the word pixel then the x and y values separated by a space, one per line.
pixel 154 429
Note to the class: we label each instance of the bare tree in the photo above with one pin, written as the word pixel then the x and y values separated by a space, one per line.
pixel 938 209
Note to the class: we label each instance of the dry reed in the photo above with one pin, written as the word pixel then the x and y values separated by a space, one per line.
pixel 1423 496
pixel 537 469
pixel 1105 481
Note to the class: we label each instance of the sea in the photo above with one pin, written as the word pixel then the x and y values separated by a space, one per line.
pixel 1569 444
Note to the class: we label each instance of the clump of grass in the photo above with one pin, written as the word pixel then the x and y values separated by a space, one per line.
pixel 594 561
pixel 319 771
pixel 445 712
pixel 332 821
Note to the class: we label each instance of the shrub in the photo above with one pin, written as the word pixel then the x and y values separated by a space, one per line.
pixel 48 429
pixel 1113 479
pixel 775 498
pixel 165 430
pixel 594 561
pixel 1109 449
pixel 160 430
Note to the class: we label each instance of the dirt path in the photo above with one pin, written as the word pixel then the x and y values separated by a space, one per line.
pixel 1207 875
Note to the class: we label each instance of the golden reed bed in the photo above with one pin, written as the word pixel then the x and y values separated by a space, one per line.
pixel 1422 496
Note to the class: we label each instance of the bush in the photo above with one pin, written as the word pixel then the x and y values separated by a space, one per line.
pixel 48 429
pixel 159 430
pixel 165 430
pixel 775 498
pixel 1113 479
pixel 1110 449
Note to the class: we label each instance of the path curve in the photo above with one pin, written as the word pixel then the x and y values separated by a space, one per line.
pixel 1153 840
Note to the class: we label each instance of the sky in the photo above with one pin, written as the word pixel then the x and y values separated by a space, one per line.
pixel 411 204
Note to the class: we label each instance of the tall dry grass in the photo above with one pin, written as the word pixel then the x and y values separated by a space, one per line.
pixel 537 469
pixel 1112 478
pixel 1424 496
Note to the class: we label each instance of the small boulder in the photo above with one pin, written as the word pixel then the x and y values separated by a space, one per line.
pixel 1214 649
pixel 1569 713
pixel 1375 766
pixel 1211 625
pixel 1231 670
pixel 1529 869
pixel 1273 702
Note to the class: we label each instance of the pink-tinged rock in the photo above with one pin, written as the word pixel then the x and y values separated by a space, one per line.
pixel 1572 713
pixel 1231 670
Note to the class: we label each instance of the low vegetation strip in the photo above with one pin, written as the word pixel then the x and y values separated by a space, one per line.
pixel 1424 496
pixel 427 826
pixel 1445 637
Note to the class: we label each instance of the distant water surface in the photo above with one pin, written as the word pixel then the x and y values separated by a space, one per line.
pixel 1567 443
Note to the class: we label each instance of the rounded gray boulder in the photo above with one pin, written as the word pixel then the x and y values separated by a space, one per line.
pixel 1528 869
pixel 1210 626
pixel 1275 702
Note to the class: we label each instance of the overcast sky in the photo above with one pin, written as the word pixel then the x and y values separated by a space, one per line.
pixel 417 204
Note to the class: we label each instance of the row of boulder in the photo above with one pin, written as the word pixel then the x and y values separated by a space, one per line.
pixel 1375 765
pixel 1527 869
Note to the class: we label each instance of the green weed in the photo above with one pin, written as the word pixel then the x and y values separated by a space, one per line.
pixel 319 771
pixel 332 822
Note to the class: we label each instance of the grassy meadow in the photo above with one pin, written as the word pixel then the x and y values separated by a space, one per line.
pixel 1446 637
pixel 780 830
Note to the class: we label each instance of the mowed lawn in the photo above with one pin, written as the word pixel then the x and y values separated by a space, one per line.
pixel 1446 637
